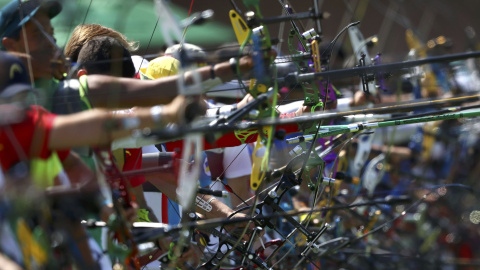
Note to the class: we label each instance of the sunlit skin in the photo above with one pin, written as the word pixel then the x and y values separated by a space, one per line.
pixel 44 56
pixel 46 62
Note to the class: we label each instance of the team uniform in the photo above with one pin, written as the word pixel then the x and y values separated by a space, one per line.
pixel 28 141
pixel 71 96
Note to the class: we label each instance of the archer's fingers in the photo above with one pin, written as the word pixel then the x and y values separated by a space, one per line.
pixel 191 257
pixel 59 68
pixel 376 99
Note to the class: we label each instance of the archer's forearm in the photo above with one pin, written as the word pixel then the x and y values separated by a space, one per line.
pixel 112 92
pixel 100 127
pixel 218 209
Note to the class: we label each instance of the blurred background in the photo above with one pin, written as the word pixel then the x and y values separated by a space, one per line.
pixel 388 19
pixel 443 226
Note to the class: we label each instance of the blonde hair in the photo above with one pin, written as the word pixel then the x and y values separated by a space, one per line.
pixel 86 32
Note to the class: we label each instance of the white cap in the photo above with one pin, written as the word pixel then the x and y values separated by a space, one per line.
pixel 190 49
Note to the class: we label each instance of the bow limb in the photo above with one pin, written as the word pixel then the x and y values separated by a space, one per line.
pixel 373 173
pixel 313 99
pixel 126 250
pixel 306 238
pixel 359 45
pixel 261 40
pixel 193 143
pixel 310 90
pixel 419 50
pixel 261 153
pixel 243 34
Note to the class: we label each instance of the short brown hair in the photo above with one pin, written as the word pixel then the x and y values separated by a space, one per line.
pixel 86 32
pixel 106 55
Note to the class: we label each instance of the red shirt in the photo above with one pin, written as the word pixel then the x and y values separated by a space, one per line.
pixel 16 140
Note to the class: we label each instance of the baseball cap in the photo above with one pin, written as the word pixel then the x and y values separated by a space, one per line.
pixel 13 76
pixel 162 66
pixel 18 12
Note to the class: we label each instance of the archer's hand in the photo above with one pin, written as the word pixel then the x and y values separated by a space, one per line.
pixel 246 63
pixel 237 229
pixel 130 213
pixel 8 264
pixel 247 99
pixel 183 109
pixel 190 257
pixel 59 68
pixel 360 98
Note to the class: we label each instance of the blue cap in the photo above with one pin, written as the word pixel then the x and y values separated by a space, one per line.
pixel 13 76
pixel 18 12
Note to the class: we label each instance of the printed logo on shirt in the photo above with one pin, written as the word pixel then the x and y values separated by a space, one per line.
pixel 15 68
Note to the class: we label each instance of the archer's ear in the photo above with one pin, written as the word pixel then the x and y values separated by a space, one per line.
pixel 9 44
pixel 81 72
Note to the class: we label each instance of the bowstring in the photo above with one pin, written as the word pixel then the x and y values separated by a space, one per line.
pixel 312 145
pixel 218 180
pixel 17 146
pixel 70 28
pixel 148 47
pixel 302 170
pixel 27 51
pixel 318 192
pixel 225 255
pixel 27 47
pixel 7 129
pixel 149 44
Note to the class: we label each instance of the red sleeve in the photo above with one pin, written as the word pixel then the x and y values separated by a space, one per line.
pixel 15 141
pixel 14 148
pixel 45 122
pixel 229 139
pixel 63 154
pixel 43 125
